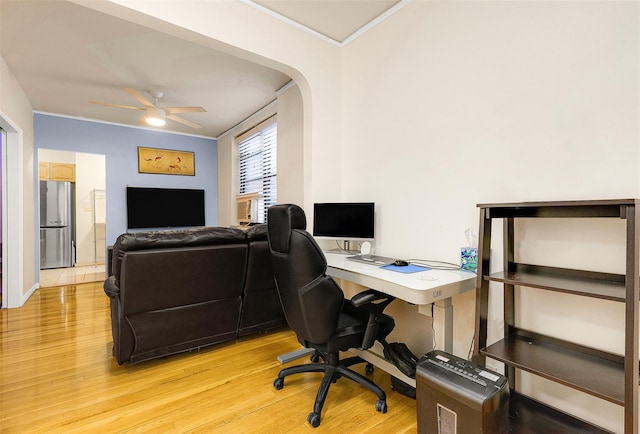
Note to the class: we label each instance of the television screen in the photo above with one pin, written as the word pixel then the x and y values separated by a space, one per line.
pixel 349 221
pixel 164 207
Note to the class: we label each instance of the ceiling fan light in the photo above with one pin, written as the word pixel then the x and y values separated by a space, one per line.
pixel 154 117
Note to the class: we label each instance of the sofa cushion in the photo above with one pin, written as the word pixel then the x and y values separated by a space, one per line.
pixel 256 233
pixel 166 278
pixel 207 236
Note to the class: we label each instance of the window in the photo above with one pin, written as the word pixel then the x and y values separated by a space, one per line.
pixel 258 165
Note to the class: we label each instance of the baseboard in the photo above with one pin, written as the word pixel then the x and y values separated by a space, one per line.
pixel 29 293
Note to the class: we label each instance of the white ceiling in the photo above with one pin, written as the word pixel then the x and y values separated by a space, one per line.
pixel 65 55
pixel 335 20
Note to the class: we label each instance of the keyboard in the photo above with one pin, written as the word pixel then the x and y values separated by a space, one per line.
pixel 371 259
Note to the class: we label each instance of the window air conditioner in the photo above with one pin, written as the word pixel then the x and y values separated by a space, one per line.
pixel 247 208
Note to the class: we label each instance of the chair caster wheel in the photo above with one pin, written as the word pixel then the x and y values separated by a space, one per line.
pixel 278 383
pixel 314 419
pixel 315 358
pixel 381 406
pixel 368 369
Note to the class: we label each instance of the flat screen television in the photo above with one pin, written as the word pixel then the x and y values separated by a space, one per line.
pixel 346 221
pixel 149 208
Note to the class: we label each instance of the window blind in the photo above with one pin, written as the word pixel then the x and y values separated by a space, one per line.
pixel 258 166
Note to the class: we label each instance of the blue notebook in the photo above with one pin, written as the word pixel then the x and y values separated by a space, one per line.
pixel 407 269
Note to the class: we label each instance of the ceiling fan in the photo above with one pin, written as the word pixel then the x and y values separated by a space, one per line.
pixel 154 114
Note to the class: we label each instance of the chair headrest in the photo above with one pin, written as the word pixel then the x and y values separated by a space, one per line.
pixel 282 219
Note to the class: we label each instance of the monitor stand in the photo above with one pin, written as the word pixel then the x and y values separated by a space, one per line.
pixel 346 250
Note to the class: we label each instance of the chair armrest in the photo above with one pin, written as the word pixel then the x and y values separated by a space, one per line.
pixel 370 296
pixel 110 287
pixel 367 300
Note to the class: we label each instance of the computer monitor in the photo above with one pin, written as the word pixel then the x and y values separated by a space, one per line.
pixel 344 221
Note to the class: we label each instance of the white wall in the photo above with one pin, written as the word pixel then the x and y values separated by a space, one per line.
pixel 290 182
pixel 451 104
pixel 290 146
pixel 91 219
pixel 16 117
pixel 448 104
pixel 228 170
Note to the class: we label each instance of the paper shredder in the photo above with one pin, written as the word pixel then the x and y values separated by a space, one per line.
pixel 456 396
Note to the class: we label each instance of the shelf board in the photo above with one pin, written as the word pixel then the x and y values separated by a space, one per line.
pixel 575 209
pixel 596 373
pixel 528 416
pixel 585 286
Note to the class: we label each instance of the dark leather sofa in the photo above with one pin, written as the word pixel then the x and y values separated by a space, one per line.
pixel 180 290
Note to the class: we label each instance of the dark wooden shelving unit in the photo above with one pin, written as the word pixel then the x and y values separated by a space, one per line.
pixel 608 376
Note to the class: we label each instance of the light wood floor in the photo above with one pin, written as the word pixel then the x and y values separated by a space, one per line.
pixel 57 375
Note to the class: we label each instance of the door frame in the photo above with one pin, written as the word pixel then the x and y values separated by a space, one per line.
pixel 12 216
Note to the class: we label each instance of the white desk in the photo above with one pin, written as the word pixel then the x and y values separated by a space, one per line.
pixel 422 288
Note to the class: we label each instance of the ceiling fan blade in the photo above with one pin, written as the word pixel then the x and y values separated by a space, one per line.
pixel 137 95
pixel 183 121
pixel 171 110
pixel 108 104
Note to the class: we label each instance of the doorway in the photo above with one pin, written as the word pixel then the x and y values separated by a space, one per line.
pixel 89 218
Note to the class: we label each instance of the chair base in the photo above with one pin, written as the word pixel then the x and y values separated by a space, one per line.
pixel 333 368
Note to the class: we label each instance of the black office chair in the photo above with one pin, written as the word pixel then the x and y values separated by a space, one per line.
pixel 316 310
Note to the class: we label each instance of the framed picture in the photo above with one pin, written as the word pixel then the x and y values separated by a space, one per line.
pixel 166 161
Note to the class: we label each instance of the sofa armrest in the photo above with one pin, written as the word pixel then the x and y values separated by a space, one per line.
pixel 110 287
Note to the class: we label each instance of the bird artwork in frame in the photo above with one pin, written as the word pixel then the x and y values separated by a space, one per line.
pixel 166 161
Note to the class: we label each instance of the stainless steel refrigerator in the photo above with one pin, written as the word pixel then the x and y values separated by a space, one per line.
pixel 57 210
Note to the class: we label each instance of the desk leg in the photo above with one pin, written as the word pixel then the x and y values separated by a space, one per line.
pixel 448 325
pixel 446 331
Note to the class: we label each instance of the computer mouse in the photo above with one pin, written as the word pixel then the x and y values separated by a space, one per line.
pixel 400 263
